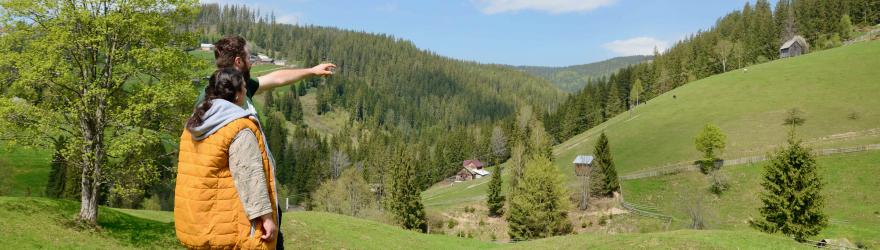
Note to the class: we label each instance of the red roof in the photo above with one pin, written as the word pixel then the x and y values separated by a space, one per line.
pixel 472 163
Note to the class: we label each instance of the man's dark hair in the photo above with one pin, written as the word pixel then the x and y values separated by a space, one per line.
pixel 227 48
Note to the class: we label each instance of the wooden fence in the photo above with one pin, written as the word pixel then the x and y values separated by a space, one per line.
pixel 675 168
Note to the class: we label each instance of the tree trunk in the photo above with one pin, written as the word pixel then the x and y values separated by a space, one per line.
pixel 88 211
pixel 92 125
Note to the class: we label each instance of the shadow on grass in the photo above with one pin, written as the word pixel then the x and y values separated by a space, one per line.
pixel 119 226
pixel 136 231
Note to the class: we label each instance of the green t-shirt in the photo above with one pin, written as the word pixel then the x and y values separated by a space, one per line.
pixel 251 86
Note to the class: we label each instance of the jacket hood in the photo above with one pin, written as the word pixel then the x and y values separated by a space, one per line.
pixel 222 112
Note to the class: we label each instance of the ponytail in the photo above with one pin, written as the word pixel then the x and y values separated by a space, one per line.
pixel 196 119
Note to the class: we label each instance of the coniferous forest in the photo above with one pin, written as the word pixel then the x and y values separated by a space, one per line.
pixel 441 110
pixel 741 38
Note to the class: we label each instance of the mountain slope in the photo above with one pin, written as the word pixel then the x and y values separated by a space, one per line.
pixel 837 90
pixel 573 78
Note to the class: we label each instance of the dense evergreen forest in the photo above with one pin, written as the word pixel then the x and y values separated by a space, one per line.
pixel 440 110
pixel 741 38
pixel 573 78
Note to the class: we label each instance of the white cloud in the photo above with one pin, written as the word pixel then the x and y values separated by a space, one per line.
pixel 551 6
pixel 636 46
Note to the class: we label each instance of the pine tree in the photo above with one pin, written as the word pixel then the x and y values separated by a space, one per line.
pixel 495 201
pixel 607 182
pixel 792 200
pixel 614 105
pixel 405 198
pixel 540 207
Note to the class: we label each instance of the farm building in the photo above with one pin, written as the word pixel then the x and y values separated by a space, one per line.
pixel 582 164
pixel 264 58
pixel 280 62
pixel 206 47
pixel 471 169
pixel 795 46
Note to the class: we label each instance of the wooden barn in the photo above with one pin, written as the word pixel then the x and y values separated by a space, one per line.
pixel 795 46
pixel 583 164
pixel 471 169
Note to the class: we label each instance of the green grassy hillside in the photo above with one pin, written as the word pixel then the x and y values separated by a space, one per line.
pixel 34 223
pixel 838 90
pixel 24 171
pixel 31 223
pixel 852 200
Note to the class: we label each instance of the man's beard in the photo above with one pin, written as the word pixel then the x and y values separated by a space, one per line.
pixel 246 73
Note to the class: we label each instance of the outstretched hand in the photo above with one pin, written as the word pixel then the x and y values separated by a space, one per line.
pixel 323 69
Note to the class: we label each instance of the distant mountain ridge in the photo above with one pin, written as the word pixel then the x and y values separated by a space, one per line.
pixel 573 78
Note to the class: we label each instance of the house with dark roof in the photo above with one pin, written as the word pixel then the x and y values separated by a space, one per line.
pixel 795 46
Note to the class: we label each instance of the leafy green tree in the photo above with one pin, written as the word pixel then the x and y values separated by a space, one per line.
pixel 792 199
pixel 722 50
pixel 635 92
pixel 540 207
pixel 348 195
pixel 845 27
pixel 495 201
pixel 606 182
pixel 405 200
pixel 111 76
pixel 711 142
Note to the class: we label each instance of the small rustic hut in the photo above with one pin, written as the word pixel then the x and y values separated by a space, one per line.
pixel 795 46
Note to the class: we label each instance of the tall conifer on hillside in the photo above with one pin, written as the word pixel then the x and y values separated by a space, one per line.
pixel 792 199
pixel 495 201
pixel 605 183
pixel 405 200
pixel 540 207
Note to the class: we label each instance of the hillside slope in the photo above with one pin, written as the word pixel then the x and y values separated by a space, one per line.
pixel 749 106
pixel 838 91
pixel 851 196
pixel 573 78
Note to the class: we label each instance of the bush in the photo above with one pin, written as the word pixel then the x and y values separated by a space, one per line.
pixel 452 223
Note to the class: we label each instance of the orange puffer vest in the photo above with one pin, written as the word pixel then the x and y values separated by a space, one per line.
pixel 208 213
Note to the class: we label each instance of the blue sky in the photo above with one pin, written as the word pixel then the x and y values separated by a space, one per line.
pixel 516 32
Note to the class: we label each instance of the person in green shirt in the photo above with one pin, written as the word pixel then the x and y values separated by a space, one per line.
pixel 230 51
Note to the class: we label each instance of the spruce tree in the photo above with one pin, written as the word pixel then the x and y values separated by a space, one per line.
pixel 607 182
pixel 495 202
pixel 792 199
pixel 405 198
pixel 540 207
